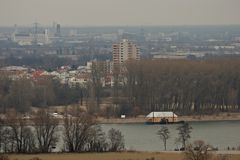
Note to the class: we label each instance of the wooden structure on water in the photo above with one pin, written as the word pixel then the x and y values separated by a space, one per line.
pixel 162 118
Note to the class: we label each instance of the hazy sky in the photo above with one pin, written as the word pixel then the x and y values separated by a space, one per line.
pixel 119 12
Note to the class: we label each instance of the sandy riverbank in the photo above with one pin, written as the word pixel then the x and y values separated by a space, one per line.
pixel 110 156
pixel 219 117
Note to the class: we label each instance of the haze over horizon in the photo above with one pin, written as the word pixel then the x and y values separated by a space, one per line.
pixel 119 13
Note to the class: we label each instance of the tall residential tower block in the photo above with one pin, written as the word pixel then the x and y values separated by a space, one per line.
pixel 124 51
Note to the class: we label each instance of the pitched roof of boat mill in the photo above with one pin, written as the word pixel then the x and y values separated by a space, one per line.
pixel 161 114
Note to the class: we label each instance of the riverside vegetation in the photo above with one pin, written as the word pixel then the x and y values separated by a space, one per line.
pixel 80 133
pixel 184 86
pixel 207 86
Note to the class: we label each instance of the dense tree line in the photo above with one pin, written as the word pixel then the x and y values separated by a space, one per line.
pixel 43 132
pixel 184 86
pixel 23 93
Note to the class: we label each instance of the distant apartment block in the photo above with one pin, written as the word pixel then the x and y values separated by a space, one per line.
pixel 124 51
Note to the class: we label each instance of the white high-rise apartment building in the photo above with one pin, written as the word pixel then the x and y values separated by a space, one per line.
pixel 124 51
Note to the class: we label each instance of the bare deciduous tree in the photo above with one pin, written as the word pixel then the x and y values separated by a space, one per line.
pixel 21 95
pixel 97 141
pixel 1 132
pixel 184 133
pixel 116 140
pixel 21 135
pixel 45 126
pixel 96 84
pixel 197 151
pixel 7 142
pixel 164 135
pixel 77 130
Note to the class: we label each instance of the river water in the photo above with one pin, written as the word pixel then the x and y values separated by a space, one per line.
pixel 142 137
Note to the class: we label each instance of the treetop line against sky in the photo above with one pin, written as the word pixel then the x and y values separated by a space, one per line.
pixel 119 12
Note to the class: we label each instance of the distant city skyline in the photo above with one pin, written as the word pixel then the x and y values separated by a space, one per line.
pixel 119 12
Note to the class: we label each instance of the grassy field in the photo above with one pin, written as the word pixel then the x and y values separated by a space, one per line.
pixel 107 156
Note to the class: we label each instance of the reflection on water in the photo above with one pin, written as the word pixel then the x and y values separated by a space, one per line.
pixel 143 137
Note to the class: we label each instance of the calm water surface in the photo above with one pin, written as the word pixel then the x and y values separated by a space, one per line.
pixel 143 137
